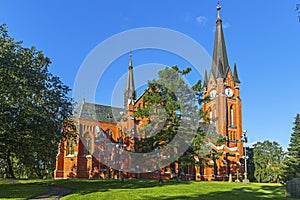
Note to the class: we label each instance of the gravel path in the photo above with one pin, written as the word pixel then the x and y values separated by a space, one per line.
pixel 55 192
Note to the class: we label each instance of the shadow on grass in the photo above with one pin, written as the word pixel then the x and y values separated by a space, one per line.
pixel 234 191
pixel 15 189
pixel 83 187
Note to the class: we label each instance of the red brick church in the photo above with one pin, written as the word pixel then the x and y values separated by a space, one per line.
pixel 84 155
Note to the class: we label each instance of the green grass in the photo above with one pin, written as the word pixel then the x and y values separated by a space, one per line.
pixel 15 190
pixel 146 189
pixel 172 190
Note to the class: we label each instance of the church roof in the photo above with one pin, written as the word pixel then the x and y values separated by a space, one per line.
pixel 220 64
pixel 97 112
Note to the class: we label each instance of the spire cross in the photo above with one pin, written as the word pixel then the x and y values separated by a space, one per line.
pixel 219 8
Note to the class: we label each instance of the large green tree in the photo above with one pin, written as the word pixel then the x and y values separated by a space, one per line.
pixel 292 160
pixel 168 102
pixel 163 109
pixel 34 105
pixel 268 157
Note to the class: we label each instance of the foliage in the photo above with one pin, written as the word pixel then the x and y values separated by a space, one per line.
pixel 268 157
pixel 165 112
pixel 33 106
pixel 162 109
pixel 292 160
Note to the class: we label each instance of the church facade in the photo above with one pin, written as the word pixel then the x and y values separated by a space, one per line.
pixel 88 155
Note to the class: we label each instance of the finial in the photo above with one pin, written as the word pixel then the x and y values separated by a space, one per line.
pixel 130 59
pixel 218 9
pixel 83 99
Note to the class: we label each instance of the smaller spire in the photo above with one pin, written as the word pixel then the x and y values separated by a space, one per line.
pixel 235 75
pixel 83 100
pixel 130 93
pixel 205 79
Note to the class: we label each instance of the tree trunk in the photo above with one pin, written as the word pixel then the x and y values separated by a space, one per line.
pixel 9 170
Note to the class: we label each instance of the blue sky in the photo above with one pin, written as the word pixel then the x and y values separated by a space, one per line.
pixel 262 37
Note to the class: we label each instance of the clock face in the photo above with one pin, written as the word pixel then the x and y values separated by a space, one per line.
pixel 228 92
pixel 213 94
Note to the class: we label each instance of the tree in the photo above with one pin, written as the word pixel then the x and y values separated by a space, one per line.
pixel 292 160
pixel 268 157
pixel 34 105
pixel 165 110
pixel 250 164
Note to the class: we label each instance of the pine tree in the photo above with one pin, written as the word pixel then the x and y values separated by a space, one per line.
pixel 170 103
pixel 292 161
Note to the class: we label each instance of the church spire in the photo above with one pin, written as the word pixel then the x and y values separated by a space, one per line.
pixel 130 93
pixel 220 64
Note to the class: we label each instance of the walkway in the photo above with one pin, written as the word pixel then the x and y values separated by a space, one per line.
pixel 55 192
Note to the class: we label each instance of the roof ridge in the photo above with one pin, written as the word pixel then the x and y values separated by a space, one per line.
pixel 98 104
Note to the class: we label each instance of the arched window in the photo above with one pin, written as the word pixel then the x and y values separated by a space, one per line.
pixel 231 116
pixel 71 145
pixel 215 167
pixel 87 144
pixel 109 134
pixel 229 135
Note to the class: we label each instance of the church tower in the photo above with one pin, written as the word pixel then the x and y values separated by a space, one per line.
pixel 225 108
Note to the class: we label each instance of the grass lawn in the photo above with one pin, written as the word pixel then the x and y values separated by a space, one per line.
pixel 146 189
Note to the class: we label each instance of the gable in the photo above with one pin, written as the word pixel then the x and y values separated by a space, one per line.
pixel 229 79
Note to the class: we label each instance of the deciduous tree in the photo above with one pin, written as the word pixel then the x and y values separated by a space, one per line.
pixel 268 157
pixel 33 106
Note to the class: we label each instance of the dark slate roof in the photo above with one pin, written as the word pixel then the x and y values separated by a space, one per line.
pixel 220 64
pixel 91 111
pixel 205 79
